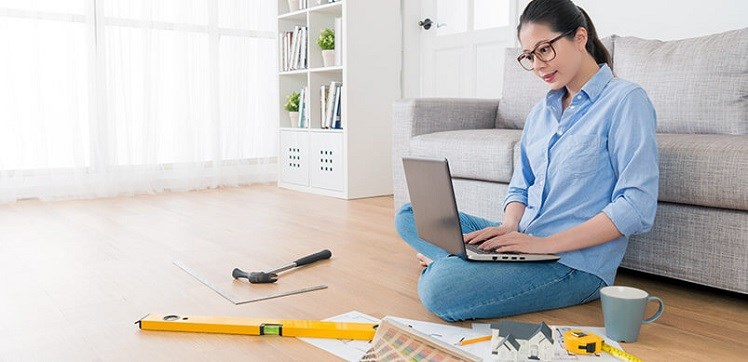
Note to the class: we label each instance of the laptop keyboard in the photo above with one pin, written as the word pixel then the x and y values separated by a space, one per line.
pixel 474 248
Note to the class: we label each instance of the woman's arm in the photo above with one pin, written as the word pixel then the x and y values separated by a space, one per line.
pixel 595 231
pixel 633 154
pixel 513 214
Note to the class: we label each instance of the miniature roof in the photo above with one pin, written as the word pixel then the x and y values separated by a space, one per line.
pixel 510 340
pixel 523 331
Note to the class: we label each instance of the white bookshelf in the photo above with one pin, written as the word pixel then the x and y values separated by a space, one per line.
pixel 355 161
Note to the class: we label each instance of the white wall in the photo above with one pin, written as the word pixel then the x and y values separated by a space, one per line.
pixel 664 19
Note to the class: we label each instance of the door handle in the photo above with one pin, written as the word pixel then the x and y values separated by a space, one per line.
pixel 425 23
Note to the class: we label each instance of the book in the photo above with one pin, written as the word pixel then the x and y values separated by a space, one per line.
pixel 307 111
pixel 303 48
pixel 300 123
pixel 323 92
pixel 294 49
pixel 294 46
pixel 336 121
pixel 288 50
pixel 288 47
pixel 329 104
pixel 285 45
pixel 297 49
pixel 329 114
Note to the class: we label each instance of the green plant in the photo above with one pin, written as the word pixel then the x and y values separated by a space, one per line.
pixel 292 102
pixel 326 39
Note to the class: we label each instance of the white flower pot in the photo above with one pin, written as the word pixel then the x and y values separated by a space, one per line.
pixel 294 118
pixel 293 5
pixel 328 58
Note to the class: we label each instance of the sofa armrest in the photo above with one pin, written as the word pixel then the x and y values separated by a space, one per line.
pixel 413 117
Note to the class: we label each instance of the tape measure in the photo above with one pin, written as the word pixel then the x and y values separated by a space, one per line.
pixel 580 342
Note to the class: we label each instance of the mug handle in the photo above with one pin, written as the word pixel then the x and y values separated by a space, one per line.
pixel 659 311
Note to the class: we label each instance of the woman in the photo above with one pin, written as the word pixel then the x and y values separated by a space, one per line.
pixel 586 181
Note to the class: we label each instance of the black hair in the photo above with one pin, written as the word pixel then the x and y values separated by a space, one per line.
pixel 564 17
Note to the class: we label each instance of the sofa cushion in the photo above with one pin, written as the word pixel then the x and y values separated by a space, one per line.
pixel 486 154
pixel 523 89
pixel 706 170
pixel 697 85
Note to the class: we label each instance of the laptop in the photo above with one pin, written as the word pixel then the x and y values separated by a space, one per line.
pixel 435 210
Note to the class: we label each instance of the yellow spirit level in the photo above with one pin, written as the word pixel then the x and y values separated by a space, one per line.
pixel 580 342
pixel 258 327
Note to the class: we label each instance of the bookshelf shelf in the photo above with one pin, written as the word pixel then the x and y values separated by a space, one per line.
pixel 337 68
pixel 331 8
pixel 352 158
pixel 311 130
pixel 294 72
pixel 319 130
pixel 299 15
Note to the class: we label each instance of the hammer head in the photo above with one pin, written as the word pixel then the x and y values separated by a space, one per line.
pixel 260 277
pixel 255 277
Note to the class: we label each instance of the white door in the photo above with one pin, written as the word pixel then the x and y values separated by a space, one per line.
pixel 462 53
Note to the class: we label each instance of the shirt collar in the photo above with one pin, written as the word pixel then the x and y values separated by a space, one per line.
pixel 595 86
pixel 592 89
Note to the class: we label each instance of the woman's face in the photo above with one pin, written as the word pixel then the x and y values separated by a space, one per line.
pixel 562 69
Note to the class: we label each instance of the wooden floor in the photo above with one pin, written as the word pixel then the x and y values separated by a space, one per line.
pixel 76 275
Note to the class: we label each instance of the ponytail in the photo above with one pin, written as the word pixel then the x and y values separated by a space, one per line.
pixel 594 46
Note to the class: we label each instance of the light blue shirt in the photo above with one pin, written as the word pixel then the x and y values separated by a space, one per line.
pixel 600 154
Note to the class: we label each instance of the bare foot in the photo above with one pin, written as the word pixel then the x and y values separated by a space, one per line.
pixel 423 260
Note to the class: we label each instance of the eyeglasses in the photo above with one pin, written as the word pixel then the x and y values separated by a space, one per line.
pixel 544 51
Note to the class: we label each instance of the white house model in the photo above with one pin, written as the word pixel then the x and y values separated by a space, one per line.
pixel 517 341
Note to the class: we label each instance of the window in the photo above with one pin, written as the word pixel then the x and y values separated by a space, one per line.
pixel 44 103
pixel 460 16
pixel 116 87
pixel 490 14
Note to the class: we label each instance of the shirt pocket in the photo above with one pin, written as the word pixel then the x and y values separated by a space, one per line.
pixel 581 155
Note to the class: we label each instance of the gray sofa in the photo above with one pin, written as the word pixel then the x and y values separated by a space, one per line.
pixel 699 88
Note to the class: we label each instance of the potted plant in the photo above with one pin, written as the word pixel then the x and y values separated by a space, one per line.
pixel 326 42
pixel 292 106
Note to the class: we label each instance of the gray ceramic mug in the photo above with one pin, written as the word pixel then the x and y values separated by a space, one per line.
pixel 623 311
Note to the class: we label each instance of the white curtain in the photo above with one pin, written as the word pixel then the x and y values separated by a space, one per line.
pixel 103 98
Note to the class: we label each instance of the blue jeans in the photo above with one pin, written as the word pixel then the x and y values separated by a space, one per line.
pixel 455 289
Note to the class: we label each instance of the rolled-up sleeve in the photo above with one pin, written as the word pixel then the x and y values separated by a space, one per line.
pixel 522 176
pixel 633 153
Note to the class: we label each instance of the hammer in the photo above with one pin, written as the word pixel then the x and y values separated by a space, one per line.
pixel 272 276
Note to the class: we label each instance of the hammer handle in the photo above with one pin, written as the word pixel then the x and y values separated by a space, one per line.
pixel 324 254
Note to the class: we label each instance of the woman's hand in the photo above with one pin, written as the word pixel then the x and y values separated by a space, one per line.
pixel 479 236
pixel 517 242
